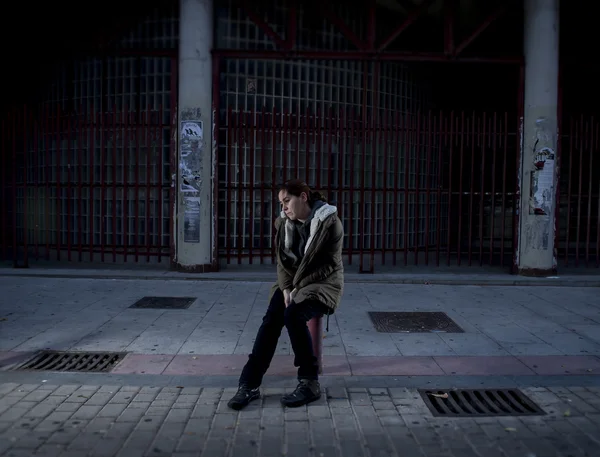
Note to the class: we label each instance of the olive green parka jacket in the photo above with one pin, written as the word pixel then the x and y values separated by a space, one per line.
pixel 320 274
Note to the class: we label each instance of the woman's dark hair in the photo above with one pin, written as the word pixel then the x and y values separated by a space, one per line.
pixel 296 187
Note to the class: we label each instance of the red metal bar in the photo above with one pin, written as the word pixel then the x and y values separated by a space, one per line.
pixel 69 162
pixel 263 166
pixel 319 124
pixel 91 167
pixel 482 193
pixel 428 184
pixel 307 142
pixel 174 156
pixel 274 175
pixel 364 132
pixel 353 141
pixel 114 183
pixel 417 185
pixel 125 118
pixel 451 166
pixel 139 136
pixel 499 11
pixel 58 151
pixel 242 133
pixel 518 166
pixel 262 25
pixel 159 192
pixel 505 144
pixel 460 184
pixel 296 135
pixel 407 135
pixel 403 56
pixel 569 185
pixel 442 141
pixel 375 137
pixel 342 146
pixel 396 151
pixel 494 136
pixel 315 328
pixel 286 143
pixel 4 180
pixel 36 180
pixel 589 213
pixel 24 125
pixel 582 131
pixel 58 182
pixel 251 170
pixel 147 129
pixel 229 177
pixel 384 215
pixel 13 118
pixel 341 25
pixel 102 180
pixel 472 189
pixel 330 165
pixel 412 17
pixel 598 213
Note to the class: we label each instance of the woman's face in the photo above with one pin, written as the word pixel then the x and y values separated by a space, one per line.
pixel 295 208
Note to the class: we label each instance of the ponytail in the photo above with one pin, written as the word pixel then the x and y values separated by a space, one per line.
pixel 315 196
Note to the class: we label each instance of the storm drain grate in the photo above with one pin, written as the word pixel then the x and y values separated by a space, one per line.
pixel 413 322
pixel 97 362
pixel 480 403
pixel 164 302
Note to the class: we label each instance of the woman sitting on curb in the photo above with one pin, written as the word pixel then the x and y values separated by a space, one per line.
pixel 310 281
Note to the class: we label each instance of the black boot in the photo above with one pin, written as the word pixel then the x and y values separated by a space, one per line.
pixel 307 391
pixel 243 397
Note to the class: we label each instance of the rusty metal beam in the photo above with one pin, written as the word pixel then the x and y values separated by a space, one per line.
pixel 340 24
pixel 449 16
pixel 262 25
pixel 371 25
pixel 499 11
pixel 361 55
pixel 292 25
pixel 412 17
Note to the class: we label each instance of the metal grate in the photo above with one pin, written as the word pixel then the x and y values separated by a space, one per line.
pixel 480 403
pixel 413 322
pixel 164 302
pixel 97 362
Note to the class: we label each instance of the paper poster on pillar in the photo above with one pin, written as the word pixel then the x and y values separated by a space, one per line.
pixel 190 156
pixel 541 192
pixel 191 219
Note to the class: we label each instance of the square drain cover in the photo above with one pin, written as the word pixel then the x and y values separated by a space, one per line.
pixel 97 362
pixel 413 322
pixel 480 403
pixel 164 302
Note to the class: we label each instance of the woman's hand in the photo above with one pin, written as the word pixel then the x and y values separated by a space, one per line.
pixel 286 297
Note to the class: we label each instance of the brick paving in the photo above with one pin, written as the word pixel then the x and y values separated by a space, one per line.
pixel 130 421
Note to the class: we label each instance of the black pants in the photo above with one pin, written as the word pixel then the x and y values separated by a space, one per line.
pixel 294 317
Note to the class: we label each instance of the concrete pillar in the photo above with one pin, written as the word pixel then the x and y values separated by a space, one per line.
pixel 194 215
pixel 536 255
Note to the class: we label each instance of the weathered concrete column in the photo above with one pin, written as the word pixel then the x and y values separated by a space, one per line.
pixel 194 215
pixel 536 254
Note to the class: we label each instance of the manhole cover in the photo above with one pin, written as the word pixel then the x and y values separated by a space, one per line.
pixel 98 362
pixel 480 403
pixel 164 302
pixel 413 322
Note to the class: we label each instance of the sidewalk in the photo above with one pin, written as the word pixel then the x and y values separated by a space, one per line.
pixel 168 395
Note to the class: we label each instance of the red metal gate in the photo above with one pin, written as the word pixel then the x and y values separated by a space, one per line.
pixel 87 183
pixel 413 185
pixel 430 188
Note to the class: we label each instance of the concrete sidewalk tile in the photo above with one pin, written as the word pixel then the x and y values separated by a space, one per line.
pixel 394 366
pixel 206 365
pixel 483 366
pixel 561 365
pixel 143 364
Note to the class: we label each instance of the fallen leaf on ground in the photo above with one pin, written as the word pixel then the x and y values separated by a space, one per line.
pixel 567 413
pixel 440 395
pixel 510 429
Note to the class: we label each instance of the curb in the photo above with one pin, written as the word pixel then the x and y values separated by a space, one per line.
pixel 350 279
